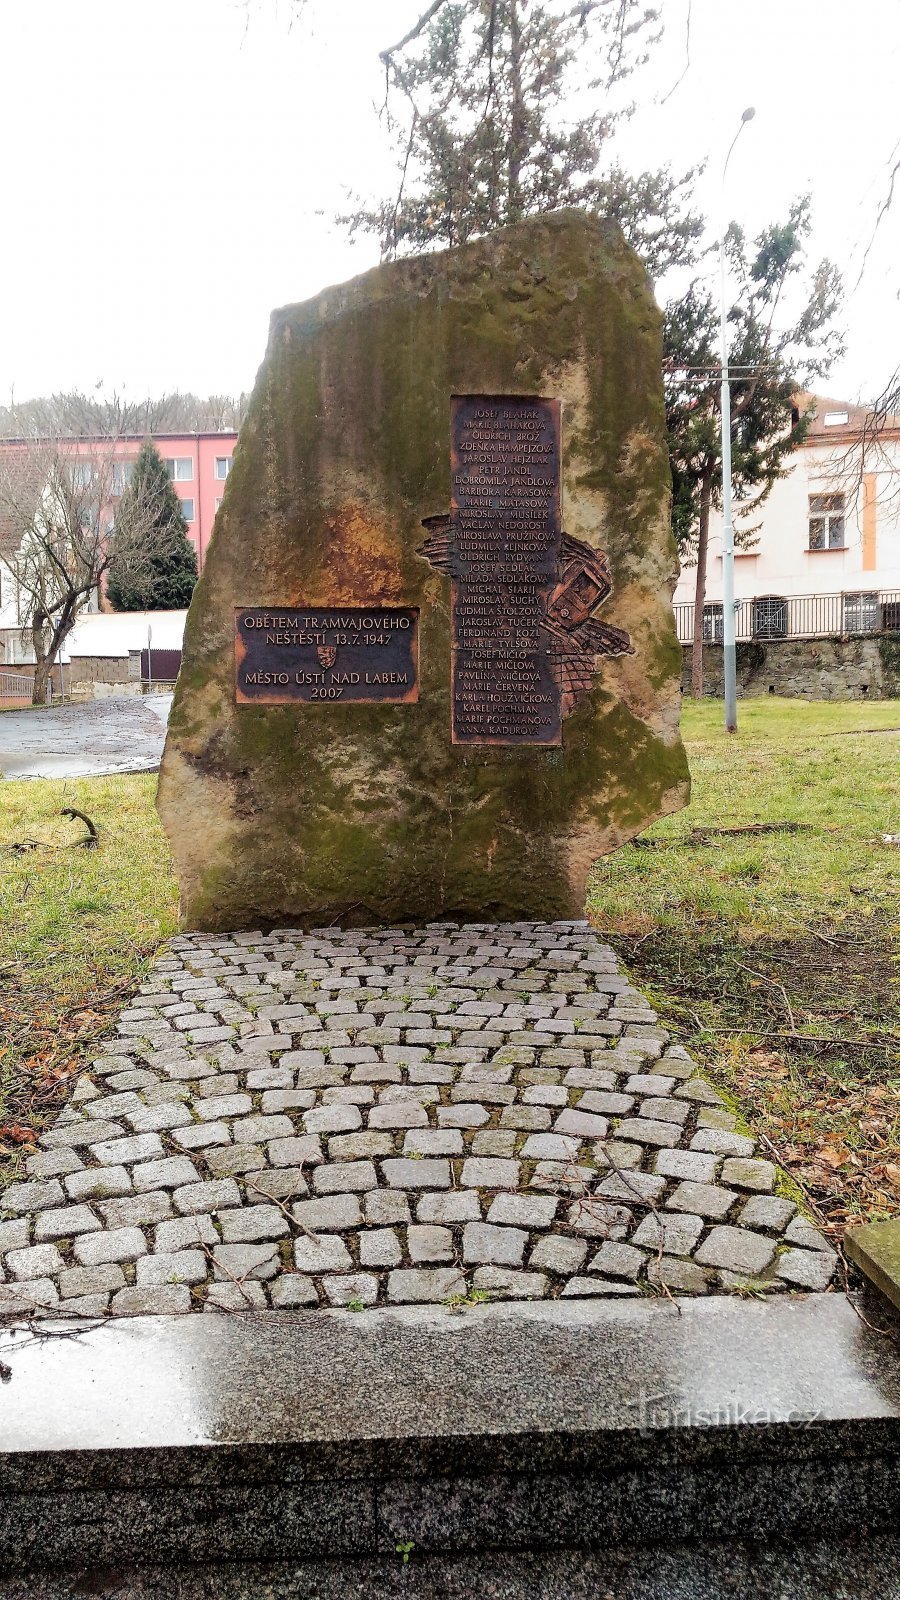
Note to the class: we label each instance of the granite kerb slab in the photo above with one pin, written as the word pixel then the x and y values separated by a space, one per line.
pixel 508 1427
pixel 845 1569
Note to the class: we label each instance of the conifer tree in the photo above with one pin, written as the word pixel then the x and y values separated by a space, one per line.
pixel 504 109
pixel 164 579
pixel 510 107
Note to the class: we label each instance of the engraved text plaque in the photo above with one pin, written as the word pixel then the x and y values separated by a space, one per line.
pixel 506 532
pixel 326 654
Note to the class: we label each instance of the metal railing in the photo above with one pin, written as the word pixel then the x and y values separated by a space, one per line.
pixel 16 686
pixel 804 616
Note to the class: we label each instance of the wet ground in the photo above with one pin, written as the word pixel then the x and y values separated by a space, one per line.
pixel 121 734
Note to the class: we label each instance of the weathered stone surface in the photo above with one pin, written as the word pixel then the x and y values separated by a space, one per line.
pixel 162 1300
pixel 380 1248
pixel 618 1260
pixel 684 1276
pixel 319 812
pixel 558 1254
pixel 62 1224
pixel 737 1249
pixel 424 1284
pixel 808 1269
pixel 117 1244
pixel 767 1211
pixel 504 1285
pixel 36 1261
pixel 293 1289
pixel 355 1290
pixel 875 1247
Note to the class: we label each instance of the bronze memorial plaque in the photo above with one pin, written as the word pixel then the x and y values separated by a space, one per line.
pixel 524 640
pixel 317 654
pixel 505 517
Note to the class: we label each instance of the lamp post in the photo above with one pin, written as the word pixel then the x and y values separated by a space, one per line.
pixel 728 617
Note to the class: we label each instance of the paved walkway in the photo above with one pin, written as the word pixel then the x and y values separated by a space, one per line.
pixel 124 733
pixel 383 1117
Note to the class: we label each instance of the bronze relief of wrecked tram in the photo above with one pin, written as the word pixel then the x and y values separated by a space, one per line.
pixel 573 636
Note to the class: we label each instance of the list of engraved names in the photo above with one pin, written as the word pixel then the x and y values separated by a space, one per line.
pixel 505 530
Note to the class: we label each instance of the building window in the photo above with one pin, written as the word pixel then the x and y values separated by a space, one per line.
pixel 121 476
pixel 860 613
pixel 713 624
pixel 180 469
pixel 187 510
pixel 826 522
pixel 836 419
pixel 82 475
pixel 223 466
pixel 770 617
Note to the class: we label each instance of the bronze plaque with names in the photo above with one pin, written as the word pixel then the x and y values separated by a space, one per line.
pixel 322 655
pixel 523 593
pixel 506 529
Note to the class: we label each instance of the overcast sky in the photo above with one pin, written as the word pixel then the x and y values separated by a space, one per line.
pixel 171 169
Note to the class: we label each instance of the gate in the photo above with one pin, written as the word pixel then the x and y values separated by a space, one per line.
pixel 160 666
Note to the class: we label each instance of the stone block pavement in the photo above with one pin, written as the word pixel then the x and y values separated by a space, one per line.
pixel 376 1117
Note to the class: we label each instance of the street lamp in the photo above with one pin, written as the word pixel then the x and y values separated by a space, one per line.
pixel 728 617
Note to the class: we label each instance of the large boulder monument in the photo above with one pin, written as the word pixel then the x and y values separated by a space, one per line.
pixel 430 669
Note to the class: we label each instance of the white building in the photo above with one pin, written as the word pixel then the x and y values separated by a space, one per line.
pixel 826 557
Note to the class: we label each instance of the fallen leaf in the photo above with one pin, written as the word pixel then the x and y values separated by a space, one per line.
pixel 832 1157
pixel 15 1131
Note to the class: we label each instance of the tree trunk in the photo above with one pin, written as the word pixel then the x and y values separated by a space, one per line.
pixel 700 589
pixel 46 652
pixel 517 118
pixel 43 660
pixel 41 679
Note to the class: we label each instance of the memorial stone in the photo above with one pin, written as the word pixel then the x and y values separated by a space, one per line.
pixel 430 668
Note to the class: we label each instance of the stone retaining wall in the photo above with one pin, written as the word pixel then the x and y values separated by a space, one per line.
pixel 858 668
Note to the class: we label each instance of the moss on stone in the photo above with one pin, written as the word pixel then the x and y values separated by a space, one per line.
pixel 889 654
pixel 367 813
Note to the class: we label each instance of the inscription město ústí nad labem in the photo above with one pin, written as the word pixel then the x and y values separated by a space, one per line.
pixel 309 654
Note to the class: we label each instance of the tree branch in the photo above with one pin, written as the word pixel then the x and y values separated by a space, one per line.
pixel 415 30
pixel 687 57
pixel 399 200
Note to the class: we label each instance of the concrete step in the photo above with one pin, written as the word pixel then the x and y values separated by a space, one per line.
pixel 851 1569
pixel 553 1427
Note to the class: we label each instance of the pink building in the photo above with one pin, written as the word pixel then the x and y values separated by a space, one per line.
pixel 198 463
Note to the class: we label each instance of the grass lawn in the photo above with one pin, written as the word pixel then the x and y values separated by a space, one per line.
pixel 773 954
pixel 77 929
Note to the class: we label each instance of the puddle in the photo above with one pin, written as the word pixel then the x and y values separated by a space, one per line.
pixel 97 739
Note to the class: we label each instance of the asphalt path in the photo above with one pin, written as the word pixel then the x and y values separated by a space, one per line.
pixel 122 734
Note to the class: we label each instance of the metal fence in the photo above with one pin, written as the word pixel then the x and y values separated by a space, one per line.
pixel 16 686
pixel 160 666
pixel 804 616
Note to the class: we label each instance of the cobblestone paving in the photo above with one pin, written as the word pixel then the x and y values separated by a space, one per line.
pixel 382 1117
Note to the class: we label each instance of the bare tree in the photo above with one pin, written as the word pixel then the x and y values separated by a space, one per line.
pixel 57 503
pixel 773 353
pixel 77 415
